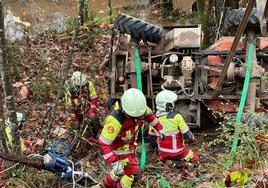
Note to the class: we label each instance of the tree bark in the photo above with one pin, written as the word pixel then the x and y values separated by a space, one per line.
pixel 167 7
pixel 3 145
pixel 83 11
pixel 211 15
pixel 8 97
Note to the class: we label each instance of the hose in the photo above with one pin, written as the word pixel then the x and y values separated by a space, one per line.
pixel 183 89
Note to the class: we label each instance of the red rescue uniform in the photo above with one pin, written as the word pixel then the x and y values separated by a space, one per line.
pixel 172 147
pixel 118 142
pixel 82 101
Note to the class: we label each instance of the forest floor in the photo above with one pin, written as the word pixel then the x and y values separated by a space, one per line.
pixel 37 64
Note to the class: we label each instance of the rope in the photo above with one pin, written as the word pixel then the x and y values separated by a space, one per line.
pixel 244 92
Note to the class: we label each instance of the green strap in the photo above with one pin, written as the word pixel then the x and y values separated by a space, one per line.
pixel 138 69
pixel 163 181
pixel 244 96
pixel 139 84
pixel 143 149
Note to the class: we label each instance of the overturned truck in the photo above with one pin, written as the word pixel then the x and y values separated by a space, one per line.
pixel 171 58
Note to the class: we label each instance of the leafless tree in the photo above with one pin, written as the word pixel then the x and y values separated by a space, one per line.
pixel 7 89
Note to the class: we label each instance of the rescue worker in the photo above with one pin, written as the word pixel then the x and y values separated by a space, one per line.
pixel 119 135
pixel 81 99
pixel 175 128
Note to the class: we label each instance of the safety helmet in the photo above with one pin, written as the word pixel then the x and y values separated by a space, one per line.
pixel 133 102
pixel 79 79
pixel 165 100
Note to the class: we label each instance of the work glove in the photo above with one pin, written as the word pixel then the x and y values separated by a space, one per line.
pixel 118 168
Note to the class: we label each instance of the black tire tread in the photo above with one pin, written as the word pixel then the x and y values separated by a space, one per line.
pixel 138 29
pixel 234 17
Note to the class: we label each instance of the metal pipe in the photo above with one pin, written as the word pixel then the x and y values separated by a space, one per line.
pixel 150 77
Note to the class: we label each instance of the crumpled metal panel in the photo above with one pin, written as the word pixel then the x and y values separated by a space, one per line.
pixel 184 37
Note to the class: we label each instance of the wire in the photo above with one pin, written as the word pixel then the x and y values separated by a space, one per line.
pixel 82 171
pixel 72 173
pixel 9 168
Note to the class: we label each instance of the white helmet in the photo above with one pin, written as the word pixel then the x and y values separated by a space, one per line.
pixel 133 102
pixel 165 100
pixel 79 79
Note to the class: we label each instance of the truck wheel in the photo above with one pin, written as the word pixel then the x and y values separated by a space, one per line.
pixel 138 29
pixel 234 17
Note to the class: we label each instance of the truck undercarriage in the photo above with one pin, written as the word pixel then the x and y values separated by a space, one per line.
pixel 171 58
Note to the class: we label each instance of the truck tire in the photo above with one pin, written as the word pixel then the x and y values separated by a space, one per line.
pixel 138 29
pixel 234 17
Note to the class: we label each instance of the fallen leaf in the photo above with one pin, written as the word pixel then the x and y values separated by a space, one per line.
pixel 18 84
pixel 17 19
pixel 27 24
pixel 24 92
pixel 39 142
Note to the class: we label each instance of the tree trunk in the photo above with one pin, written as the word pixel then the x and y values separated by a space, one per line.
pixel 83 11
pixel 8 97
pixel 202 13
pixel 2 121
pixel 211 17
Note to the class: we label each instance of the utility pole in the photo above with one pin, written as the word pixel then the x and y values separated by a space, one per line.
pixel 8 96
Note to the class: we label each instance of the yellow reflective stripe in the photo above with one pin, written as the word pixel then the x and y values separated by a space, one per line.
pixel 124 148
pixel 105 141
pixel 170 150
pixel 127 138
pixel 128 134
pixel 124 162
pixel 112 175
pixel 185 130
pixel 154 122
pixel 174 142
pixel 171 133
pixel 106 156
pixel 189 156
pixel 111 128
pixel 9 135
pixel 122 152
pixel 126 181
pixel 68 98
pixel 92 90
pixel 116 106
pixel 180 122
